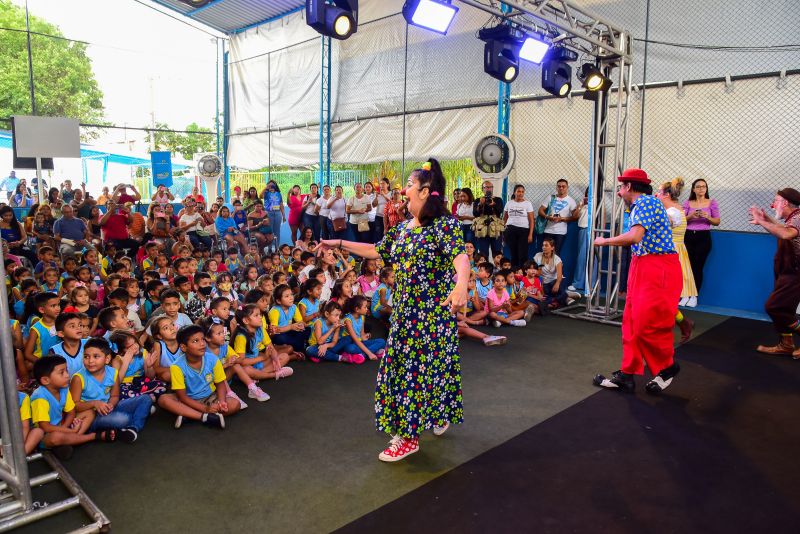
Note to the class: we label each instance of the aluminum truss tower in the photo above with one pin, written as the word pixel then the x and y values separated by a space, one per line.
pixel 325 114
pixel 574 26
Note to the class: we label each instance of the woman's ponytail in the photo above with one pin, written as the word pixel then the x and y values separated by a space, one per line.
pixel 431 176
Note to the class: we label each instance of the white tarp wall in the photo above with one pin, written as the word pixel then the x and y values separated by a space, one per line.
pixel 740 137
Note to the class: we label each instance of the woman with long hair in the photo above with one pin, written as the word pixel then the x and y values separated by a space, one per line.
pixel 14 234
pixel 702 212
pixel 21 198
pixel 519 219
pixel 273 203
pixel 382 197
pixel 295 203
pixel 421 362
pixel 55 202
pixel 464 213
pixel 309 207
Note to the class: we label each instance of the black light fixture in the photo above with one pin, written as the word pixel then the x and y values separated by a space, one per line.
pixel 501 52
pixel 196 3
pixel 333 18
pixel 593 79
pixel 556 71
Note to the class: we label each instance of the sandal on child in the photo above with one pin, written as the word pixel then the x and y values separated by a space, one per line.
pixel 108 436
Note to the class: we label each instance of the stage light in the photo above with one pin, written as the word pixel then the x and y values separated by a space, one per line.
pixel 556 72
pixel 556 77
pixel 500 60
pixel 533 49
pixel 435 15
pixel 334 18
pixel 501 51
pixel 592 78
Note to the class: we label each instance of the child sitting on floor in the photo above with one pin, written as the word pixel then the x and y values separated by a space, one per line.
pixel 498 304
pixel 357 339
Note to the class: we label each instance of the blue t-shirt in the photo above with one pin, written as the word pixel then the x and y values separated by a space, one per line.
pixel 273 201
pixel 376 299
pixel 74 361
pixel 74 228
pixel 199 383
pixel 167 356
pixel 358 325
pixel 483 290
pixel 94 389
pixel 649 213
pixel 240 218
pixel 311 306
pixel 42 400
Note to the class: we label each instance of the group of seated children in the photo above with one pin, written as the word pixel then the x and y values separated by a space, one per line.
pixel 101 341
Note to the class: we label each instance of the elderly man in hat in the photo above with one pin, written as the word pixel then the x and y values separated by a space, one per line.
pixel 782 303
pixel 654 288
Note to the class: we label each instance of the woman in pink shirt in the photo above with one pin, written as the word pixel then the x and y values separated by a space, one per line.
pixel 295 204
pixel 702 213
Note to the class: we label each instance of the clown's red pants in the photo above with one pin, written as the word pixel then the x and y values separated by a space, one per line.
pixel 654 288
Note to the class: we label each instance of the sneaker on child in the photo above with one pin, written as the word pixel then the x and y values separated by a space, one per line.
pixel 214 420
pixel 255 392
pixel 518 322
pixel 494 340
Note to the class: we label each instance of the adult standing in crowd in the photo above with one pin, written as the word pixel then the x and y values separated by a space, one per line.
pixel 578 284
pixel 785 297
pixel 250 196
pixel 395 211
pixel 295 203
pixel 422 362
pixel 337 215
pixel 382 197
pixel 519 221
pixel 82 202
pixel 702 212
pixel 323 212
pixel 163 195
pixel 464 212
pixel 559 210
pixel 358 207
pixel 654 287
pixel 13 233
pixel 122 197
pixel 273 203
pixel 9 184
pixel 310 219
pixel 114 225
pixel 104 197
pixel 66 191
pixel 369 193
pixel 487 210
pixel 70 232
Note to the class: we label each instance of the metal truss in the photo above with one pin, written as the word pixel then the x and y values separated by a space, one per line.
pixel 573 26
pixel 325 114
pixel 564 20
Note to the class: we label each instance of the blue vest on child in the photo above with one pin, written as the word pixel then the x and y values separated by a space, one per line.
pixel 199 383
pixel 285 316
pixel 56 406
pixel 376 299
pixel 135 368
pixel 167 356
pixel 358 325
pixel 74 361
pixel 94 389
pixel 47 338
pixel 311 307
pixel 325 329
pixel 252 348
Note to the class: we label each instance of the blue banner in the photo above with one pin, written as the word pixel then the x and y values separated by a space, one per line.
pixel 162 168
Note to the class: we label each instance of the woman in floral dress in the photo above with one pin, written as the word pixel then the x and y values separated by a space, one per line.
pixel 419 378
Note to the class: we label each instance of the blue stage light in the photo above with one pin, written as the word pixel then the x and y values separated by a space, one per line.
pixel 533 49
pixel 334 18
pixel 435 15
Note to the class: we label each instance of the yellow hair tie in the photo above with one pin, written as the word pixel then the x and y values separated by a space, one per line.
pixel 426 166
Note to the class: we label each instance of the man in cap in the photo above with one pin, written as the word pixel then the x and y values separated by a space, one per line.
pixel 782 302
pixel 654 288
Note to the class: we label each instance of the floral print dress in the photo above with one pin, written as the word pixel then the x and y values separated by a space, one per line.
pixel 419 378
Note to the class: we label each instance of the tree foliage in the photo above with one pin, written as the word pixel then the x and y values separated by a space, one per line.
pixel 64 83
pixel 185 144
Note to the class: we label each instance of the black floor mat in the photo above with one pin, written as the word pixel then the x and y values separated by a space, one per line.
pixel 716 453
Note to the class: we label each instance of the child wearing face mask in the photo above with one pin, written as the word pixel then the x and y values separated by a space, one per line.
pixel 197 306
pixel 225 289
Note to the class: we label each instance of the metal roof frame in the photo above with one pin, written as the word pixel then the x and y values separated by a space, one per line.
pixel 234 16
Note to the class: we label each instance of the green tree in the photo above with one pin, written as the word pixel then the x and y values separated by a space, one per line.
pixel 64 83
pixel 185 144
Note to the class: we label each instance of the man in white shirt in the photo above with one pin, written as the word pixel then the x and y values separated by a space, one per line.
pixel 559 210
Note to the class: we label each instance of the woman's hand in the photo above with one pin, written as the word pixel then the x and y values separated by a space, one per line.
pixel 458 297
pixel 530 238
pixel 327 244
pixel 599 241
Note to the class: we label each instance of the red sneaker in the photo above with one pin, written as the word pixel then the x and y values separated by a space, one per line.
pixel 399 448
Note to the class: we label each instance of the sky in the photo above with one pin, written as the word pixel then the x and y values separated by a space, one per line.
pixel 135 47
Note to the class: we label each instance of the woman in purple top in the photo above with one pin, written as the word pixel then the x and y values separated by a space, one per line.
pixel 701 214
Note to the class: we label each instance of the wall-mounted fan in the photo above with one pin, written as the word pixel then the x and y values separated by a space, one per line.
pixel 209 168
pixel 493 157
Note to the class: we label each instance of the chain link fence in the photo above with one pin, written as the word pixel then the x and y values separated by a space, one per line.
pixel 709 101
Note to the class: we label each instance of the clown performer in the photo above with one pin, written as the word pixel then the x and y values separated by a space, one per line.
pixel 782 302
pixel 654 288
pixel 419 378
